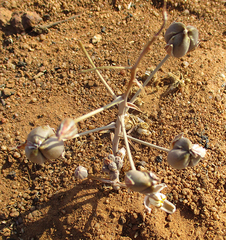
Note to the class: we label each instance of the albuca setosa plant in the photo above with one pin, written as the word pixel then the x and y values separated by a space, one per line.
pixel 44 144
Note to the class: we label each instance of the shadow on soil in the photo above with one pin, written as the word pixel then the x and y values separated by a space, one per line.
pixel 60 206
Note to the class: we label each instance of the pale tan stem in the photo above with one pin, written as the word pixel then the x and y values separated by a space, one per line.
pixel 148 144
pixel 150 77
pixel 144 51
pixel 90 114
pixel 109 126
pixel 98 73
pixel 127 143
pixel 105 67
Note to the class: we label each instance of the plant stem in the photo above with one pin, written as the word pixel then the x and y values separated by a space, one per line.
pixel 127 143
pixel 90 114
pixel 105 67
pixel 98 73
pixel 150 77
pixel 148 144
pixel 109 126
pixel 145 50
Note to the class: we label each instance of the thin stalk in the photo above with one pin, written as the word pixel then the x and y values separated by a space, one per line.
pixel 148 144
pixel 127 144
pixel 105 67
pixel 98 73
pixel 145 50
pixel 150 77
pixel 123 106
pixel 104 180
pixel 109 126
pixel 90 114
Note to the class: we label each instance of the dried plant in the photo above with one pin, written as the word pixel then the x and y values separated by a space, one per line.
pixel 43 144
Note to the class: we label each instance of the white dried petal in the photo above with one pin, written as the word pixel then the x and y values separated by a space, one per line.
pixel 121 153
pixel 198 150
pixel 159 200
pixel 67 129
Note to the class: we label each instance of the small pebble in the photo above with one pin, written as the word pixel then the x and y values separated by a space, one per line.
pixel 169 218
pixel 16 155
pixel 4 148
pixel 14 213
pixel 186 12
pixel 33 100
pixel 185 64
pixel 8 92
pixel 96 39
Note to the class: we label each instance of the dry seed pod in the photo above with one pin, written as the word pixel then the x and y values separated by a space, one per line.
pixel 184 153
pixel 43 145
pixel 52 148
pixel 180 39
pixel 178 158
pixel 81 172
pixel 143 182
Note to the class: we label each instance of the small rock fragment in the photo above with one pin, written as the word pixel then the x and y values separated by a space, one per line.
pixel 30 20
pixel 16 23
pixel 14 213
pixel 5 16
pixel 16 155
pixel 97 38
pixel 33 100
pixel 8 92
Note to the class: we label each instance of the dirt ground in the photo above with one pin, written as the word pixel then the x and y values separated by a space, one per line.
pixel 41 84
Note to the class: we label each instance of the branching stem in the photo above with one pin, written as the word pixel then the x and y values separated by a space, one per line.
pixel 90 114
pixel 150 77
pixel 127 144
pixel 110 126
pixel 98 73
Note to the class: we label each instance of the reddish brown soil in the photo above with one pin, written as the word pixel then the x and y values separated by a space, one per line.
pixel 47 202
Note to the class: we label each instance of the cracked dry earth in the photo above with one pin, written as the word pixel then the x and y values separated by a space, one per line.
pixel 41 84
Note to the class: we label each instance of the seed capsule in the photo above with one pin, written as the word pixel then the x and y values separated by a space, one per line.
pixel 143 182
pixel 184 153
pixel 43 145
pixel 180 39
